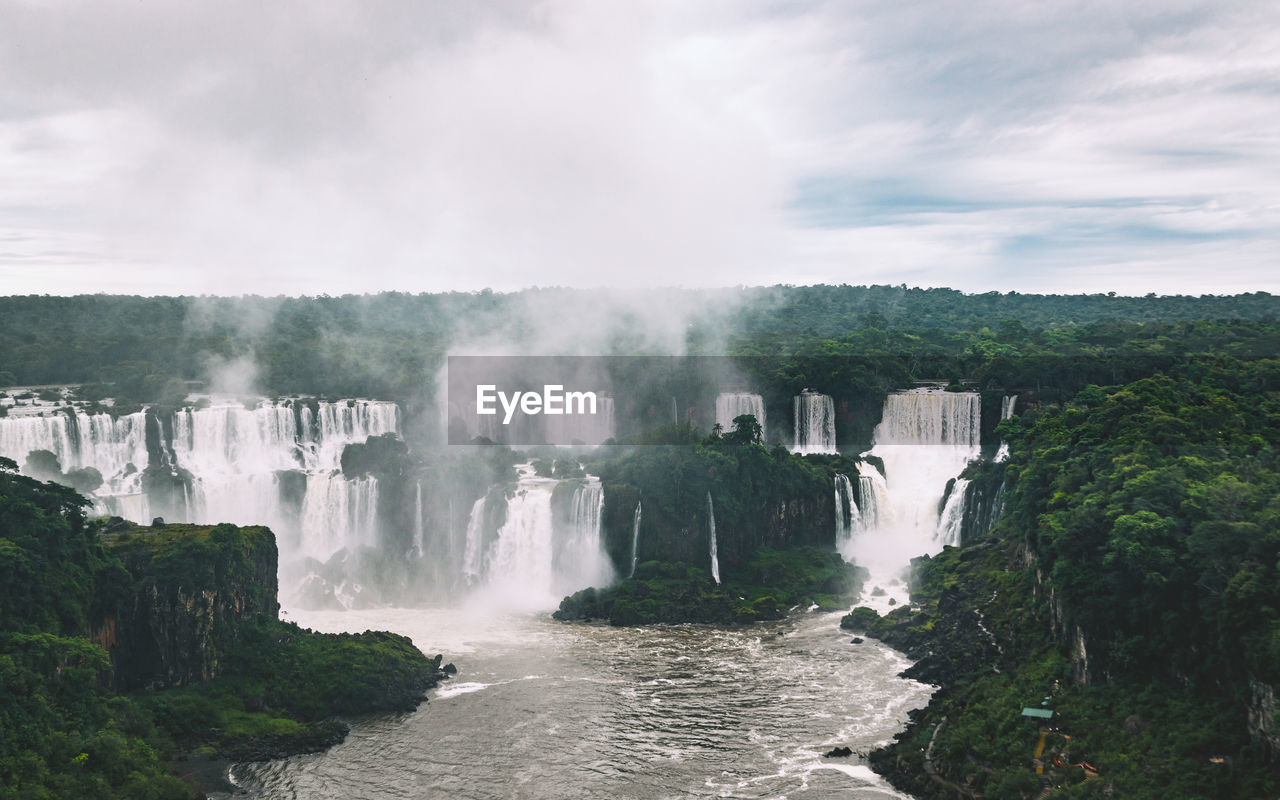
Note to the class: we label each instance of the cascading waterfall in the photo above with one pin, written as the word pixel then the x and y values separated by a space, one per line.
pixel 1007 405
pixel 635 540
pixel 116 447
pixel 951 522
pixel 418 533
pixel 520 559
pixel 711 523
pixel 533 562
pixel 472 564
pixel 815 423
pixel 873 495
pixel 580 558
pixel 239 454
pixel 277 463
pixel 925 438
pixel 337 514
pixel 589 429
pixel 730 405
pixel 847 514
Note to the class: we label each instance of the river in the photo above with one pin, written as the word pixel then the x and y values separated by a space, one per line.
pixel 543 709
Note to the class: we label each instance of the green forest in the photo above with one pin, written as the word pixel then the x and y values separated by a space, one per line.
pixel 1132 581
pixel 77 723
pixel 1130 584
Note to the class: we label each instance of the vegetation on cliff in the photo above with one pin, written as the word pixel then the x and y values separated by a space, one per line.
pixel 1132 581
pixel 770 584
pixel 242 685
pixel 760 498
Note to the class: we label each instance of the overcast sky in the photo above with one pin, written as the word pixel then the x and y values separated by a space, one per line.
pixel 324 147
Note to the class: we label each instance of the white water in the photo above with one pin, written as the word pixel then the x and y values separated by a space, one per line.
pixel 472 565
pixel 519 569
pixel 635 540
pixel 107 444
pixel 418 533
pixel 337 513
pixel 534 562
pixel 587 429
pixel 711 522
pixel 873 495
pixel 952 519
pixel 730 405
pixel 925 438
pixel 848 517
pixel 815 424
pixel 1007 405
pixel 580 560
pixel 233 454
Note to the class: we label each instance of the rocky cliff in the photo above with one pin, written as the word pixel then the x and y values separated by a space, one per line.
pixel 192 586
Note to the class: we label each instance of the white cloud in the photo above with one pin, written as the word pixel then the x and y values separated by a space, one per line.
pixel 289 148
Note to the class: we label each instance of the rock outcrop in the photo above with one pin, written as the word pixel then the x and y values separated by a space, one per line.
pixel 191 586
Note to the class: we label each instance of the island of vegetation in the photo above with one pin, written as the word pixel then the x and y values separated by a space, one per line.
pixel 773 521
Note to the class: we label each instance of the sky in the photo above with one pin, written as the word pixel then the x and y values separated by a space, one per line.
pixel 322 148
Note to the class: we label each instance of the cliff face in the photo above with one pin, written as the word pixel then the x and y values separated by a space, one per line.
pixel 1263 729
pixel 745 521
pixel 192 585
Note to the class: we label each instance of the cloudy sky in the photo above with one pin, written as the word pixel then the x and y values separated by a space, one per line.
pixel 303 148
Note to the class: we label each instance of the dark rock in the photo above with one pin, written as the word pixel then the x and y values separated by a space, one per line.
pixel 172 628
pixel 313 738
pixel 892 602
pixel 839 752
pixel 449 669
pixel 856 640
pixel 158 522
pixel 116 524
pixel 877 592
pixel 1134 725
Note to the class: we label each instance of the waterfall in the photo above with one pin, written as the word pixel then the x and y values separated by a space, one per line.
pixel 1007 404
pixel 276 463
pixel 472 567
pixel 873 494
pixel 580 560
pixel 337 514
pixel 982 509
pixel 115 447
pixel 847 515
pixel 589 429
pixel 635 540
pixel 730 405
pixel 418 535
pixel 235 439
pixel 925 438
pixel 815 423
pixel 539 556
pixel 711 522
pixel 520 559
pixel 929 417
pixel 951 521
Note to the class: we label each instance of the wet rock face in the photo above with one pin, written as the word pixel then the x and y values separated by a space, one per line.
pixel 191 586
pixel 1262 717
